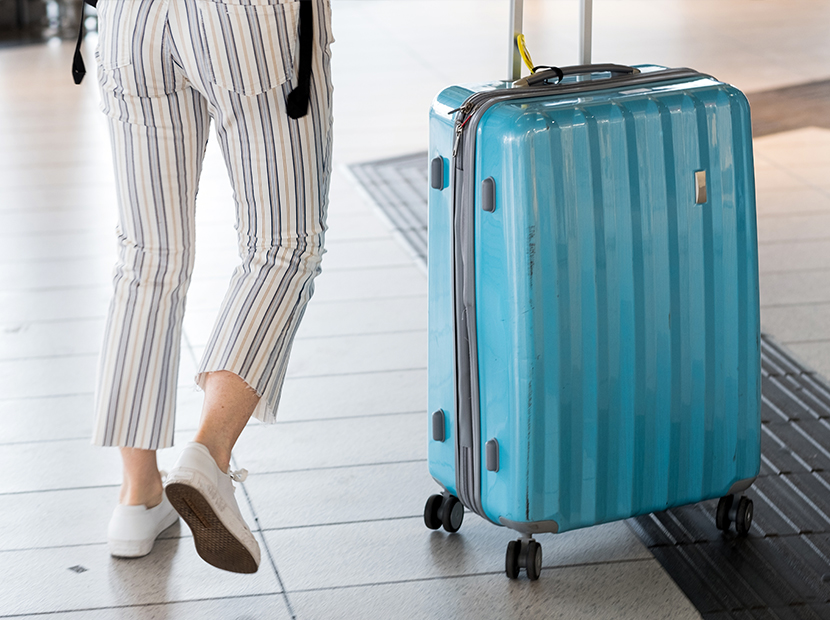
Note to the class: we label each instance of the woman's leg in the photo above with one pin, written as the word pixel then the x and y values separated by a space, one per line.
pixel 141 483
pixel 279 169
pixel 229 403
pixel 158 133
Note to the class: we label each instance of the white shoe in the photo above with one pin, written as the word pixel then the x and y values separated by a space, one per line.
pixel 133 529
pixel 204 496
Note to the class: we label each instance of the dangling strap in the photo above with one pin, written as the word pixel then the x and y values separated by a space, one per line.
pixel 78 68
pixel 297 101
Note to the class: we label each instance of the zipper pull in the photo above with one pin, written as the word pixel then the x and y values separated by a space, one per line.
pixel 465 107
pixel 464 115
pixel 458 129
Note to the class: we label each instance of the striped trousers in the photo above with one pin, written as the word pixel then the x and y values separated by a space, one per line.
pixel 166 69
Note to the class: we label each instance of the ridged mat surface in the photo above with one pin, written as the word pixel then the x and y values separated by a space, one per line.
pixel 399 187
pixel 782 570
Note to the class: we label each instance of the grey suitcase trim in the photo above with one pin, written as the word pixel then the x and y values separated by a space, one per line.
pixel 741 486
pixel 536 527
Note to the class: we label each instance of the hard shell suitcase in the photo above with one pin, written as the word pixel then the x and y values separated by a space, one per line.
pixel 594 338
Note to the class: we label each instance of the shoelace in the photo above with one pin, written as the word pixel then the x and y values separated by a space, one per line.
pixel 239 475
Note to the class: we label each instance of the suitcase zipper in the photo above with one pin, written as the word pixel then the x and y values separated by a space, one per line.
pixel 464 115
pixel 476 101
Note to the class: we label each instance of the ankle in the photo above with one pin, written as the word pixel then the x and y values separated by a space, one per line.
pixel 220 456
pixel 148 493
pixel 142 480
pixel 223 460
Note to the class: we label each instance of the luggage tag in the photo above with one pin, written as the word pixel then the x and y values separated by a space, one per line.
pixel 521 44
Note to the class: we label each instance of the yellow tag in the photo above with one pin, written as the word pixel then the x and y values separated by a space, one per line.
pixel 520 42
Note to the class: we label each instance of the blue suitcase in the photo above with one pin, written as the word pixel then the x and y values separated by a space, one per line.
pixel 594 338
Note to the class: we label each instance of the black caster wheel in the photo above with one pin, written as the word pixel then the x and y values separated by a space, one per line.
pixel 743 517
pixel 534 560
pixel 452 513
pixel 523 554
pixel 432 512
pixel 511 561
pixel 722 515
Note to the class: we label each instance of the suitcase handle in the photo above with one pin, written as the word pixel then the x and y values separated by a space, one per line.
pixel 555 72
pixel 586 10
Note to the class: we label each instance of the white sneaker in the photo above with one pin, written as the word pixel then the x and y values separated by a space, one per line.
pixel 204 496
pixel 133 529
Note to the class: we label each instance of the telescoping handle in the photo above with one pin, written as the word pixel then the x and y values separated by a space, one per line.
pixel 585 21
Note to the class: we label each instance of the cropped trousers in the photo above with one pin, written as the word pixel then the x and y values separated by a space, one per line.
pixel 166 69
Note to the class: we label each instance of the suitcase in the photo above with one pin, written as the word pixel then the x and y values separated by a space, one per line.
pixel 594 337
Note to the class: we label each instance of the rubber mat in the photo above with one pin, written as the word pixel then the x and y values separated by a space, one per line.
pixel 782 569
pixel 399 188
pixel 789 108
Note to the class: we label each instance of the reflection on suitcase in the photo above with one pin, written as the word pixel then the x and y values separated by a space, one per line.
pixel 594 338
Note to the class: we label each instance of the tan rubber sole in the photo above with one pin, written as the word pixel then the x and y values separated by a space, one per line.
pixel 214 543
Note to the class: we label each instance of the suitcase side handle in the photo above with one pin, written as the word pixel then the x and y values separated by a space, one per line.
pixel 543 77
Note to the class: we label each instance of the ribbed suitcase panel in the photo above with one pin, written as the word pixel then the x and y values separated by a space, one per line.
pixel 617 319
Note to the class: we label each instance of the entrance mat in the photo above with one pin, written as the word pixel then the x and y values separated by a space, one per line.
pixel 398 187
pixel 782 569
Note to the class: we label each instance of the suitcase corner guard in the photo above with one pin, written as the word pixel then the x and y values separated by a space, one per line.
pixel 533 527
pixel 741 486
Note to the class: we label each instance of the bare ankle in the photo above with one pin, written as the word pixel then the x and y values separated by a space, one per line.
pixel 149 495
pixel 142 480
pixel 222 457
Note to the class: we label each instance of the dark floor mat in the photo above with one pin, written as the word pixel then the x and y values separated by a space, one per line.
pixel 790 107
pixel 782 569
pixel 399 187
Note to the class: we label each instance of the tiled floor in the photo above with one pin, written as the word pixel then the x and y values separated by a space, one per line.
pixel 337 486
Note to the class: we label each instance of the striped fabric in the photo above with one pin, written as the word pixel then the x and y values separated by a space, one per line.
pixel 166 68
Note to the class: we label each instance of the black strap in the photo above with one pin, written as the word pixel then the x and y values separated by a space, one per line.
pixel 559 73
pixel 78 67
pixel 297 102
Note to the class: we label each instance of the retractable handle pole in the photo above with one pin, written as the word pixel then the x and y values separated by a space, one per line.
pixel 586 13
pixel 516 11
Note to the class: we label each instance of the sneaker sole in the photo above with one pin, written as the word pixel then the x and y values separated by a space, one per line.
pixel 215 544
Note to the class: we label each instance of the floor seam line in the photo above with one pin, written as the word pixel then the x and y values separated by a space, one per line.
pixel 267 548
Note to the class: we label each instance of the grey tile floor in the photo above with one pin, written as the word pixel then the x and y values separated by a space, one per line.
pixel 337 485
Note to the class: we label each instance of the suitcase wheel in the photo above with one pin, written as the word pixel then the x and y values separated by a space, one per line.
pixel 740 513
pixel 722 514
pixel 743 520
pixel 524 553
pixel 432 512
pixel 444 510
pixel 511 562
pixel 452 513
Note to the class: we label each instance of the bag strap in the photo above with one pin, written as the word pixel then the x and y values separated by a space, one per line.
pixel 297 102
pixel 78 67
